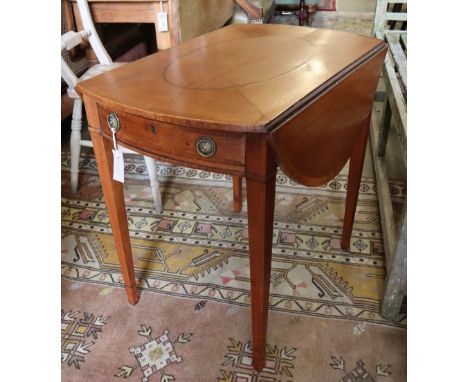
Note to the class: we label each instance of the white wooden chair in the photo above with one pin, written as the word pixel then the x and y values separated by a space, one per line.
pixel 68 41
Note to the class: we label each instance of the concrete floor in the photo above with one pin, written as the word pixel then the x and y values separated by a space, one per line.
pixel 355 5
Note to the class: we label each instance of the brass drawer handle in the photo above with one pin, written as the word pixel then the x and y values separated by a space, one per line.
pixel 206 147
pixel 113 122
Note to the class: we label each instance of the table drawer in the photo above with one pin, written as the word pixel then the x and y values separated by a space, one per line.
pixel 174 141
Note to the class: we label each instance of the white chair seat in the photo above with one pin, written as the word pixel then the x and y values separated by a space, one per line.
pixel 93 72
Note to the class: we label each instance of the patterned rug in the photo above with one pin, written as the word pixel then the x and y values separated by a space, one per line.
pixel 193 320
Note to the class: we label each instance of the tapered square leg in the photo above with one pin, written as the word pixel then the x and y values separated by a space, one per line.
pixel 356 165
pixel 237 193
pixel 261 180
pixel 114 196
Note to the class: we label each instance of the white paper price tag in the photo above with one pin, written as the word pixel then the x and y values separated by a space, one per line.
pixel 118 166
pixel 162 22
pixel 118 161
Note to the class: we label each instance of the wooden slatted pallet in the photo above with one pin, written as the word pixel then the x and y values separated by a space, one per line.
pixel 394 115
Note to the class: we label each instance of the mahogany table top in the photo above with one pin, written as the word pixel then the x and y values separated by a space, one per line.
pixel 241 78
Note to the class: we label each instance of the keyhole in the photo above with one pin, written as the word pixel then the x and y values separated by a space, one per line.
pixel 153 129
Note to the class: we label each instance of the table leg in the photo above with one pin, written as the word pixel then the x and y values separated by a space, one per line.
pixel 165 40
pixel 237 193
pixel 310 11
pixel 114 196
pixel 261 180
pixel 302 13
pixel 356 165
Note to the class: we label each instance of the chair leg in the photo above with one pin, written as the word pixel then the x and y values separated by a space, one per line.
pixel 75 146
pixel 153 175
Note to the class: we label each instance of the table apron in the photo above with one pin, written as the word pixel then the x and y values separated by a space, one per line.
pixel 178 144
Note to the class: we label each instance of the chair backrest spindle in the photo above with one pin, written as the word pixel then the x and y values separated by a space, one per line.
pixel 93 37
pixel 72 39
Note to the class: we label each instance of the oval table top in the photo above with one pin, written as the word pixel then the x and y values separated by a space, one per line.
pixel 240 78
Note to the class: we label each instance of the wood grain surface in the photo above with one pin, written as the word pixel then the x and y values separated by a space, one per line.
pixel 174 141
pixel 238 78
pixel 314 145
pixel 114 195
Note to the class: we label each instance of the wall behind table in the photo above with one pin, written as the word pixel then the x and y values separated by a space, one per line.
pixel 198 17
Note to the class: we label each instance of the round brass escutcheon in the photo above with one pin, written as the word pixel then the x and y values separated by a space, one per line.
pixel 206 147
pixel 113 122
